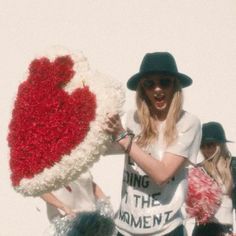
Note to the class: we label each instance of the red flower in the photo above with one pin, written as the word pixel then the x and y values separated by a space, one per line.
pixel 47 122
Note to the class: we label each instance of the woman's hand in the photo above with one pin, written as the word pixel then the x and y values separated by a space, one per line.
pixel 54 201
pixel 68 211
pixel 113 124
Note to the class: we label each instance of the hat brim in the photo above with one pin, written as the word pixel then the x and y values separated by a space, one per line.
pixel 133 81
pixel 210 140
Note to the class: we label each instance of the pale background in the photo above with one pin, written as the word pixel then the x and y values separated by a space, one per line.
pixel 114 35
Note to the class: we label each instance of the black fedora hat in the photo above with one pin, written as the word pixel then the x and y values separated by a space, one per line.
pixel 213 132
pixel 161 63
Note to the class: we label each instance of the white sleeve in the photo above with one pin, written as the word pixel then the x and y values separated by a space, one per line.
pixel 188 138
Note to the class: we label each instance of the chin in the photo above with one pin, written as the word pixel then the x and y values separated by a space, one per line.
pixel 163 108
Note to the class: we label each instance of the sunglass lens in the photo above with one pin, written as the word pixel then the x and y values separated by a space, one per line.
pixel 165 83
pixel 149 83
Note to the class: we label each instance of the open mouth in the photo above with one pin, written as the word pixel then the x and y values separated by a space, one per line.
pixel 159 99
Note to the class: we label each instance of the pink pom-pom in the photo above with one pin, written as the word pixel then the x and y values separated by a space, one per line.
pixel 203 196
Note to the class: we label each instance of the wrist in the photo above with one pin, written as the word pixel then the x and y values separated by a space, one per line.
pixel 119 135
pixel 65 209
pixel 126 141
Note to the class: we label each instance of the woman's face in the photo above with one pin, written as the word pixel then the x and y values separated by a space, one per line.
pixel 208 149
pixel 160 90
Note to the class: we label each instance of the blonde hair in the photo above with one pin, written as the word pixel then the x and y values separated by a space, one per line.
pixel 218 167
pixel 149 131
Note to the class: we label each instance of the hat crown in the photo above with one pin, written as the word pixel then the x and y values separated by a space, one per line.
pixel 158 61
pixel 213 132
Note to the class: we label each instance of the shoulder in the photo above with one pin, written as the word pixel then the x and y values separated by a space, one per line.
pixel 233 171
pixel 188 121
pixel 233 159
pixel 233 163
pixel 188 117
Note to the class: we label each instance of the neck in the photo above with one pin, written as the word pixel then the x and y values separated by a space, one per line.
pixel 160 115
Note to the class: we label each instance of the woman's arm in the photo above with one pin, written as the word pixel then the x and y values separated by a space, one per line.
pixel 103 204
pixel 98 193
pixel 159 170
pixel 54 201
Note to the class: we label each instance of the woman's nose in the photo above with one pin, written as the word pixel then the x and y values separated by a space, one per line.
pixel 157 86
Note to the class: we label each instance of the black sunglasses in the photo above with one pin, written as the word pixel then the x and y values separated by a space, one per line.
pixel 152 83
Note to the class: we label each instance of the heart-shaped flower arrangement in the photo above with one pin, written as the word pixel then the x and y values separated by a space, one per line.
pixel 56 128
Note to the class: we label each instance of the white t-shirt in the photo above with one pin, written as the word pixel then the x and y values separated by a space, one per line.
pixel 147 208
pixel 78 196
pixel 224 214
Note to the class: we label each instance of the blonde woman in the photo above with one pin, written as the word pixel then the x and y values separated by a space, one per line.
pixel 221 166
pixel 160 140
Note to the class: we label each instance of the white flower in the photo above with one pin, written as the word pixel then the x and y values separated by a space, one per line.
pixel 109 98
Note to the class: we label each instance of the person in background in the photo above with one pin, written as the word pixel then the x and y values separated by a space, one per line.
pixel 221 166
pixel 160 140
pixel 82 202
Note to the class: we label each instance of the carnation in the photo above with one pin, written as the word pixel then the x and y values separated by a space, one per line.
pixel 55 132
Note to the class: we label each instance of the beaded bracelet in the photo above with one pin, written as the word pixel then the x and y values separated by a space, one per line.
pixel 131 137
pixel 122 135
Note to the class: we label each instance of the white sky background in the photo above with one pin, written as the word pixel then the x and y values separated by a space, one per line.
pixel 115 35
